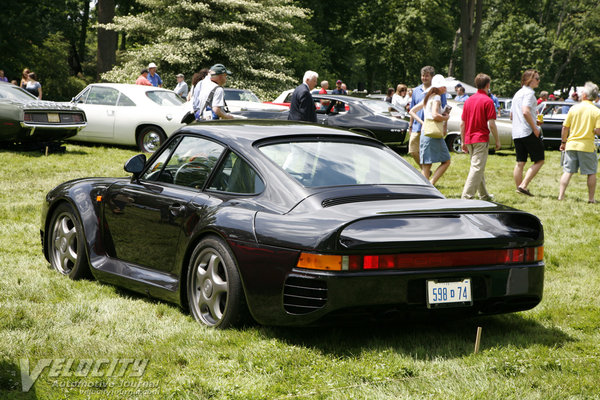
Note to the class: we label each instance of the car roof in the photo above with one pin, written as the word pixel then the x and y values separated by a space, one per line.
pixel 130 87
pixel 247 132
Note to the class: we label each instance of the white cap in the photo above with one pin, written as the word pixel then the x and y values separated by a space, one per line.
pixel 438 81
pixel 151 65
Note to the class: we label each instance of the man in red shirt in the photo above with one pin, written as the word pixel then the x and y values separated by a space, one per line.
pixel 143 78
pixel 478 119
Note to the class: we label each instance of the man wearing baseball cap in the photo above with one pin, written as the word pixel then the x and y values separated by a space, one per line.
pixel 211 99
pixel 153 77
pixel 182 88
pixel 338 88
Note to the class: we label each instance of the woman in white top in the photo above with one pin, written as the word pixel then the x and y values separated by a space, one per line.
pixel 433 150
pixel 400 99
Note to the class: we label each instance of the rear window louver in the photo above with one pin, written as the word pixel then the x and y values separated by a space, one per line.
pixel 374 197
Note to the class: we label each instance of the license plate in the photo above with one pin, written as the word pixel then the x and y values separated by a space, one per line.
pixel 53 118
pixel 453 293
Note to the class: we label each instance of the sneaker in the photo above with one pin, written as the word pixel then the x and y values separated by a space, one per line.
pixel 489 197
pixel 524 191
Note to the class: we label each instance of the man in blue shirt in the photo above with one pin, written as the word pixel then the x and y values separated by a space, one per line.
pixel 153 77
pixel 418 95
pixel 461 96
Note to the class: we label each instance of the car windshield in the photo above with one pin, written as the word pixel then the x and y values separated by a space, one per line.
pixel 164 98
pixel 241 95
pixel 378 106
pixel 12 92
pixel 335 163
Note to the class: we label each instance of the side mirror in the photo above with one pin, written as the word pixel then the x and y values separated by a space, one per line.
pixel 135 165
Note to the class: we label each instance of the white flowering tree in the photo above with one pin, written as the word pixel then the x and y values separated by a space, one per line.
pixel 249 37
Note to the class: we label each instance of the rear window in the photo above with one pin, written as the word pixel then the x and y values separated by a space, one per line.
pixel 335 163
pixel 164 98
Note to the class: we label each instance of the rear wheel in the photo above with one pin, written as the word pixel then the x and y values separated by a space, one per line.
pixel 150 139
pixel 214 289
pixel 454 143
pixel 67 243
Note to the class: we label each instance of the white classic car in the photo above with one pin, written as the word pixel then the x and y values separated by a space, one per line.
pixel 453 141
pixel 129 114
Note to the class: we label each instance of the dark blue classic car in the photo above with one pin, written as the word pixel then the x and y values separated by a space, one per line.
pixel 25 119
pixel 292 224
pixel 371 117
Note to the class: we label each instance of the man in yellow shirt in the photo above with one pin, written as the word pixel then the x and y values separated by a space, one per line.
pixel 577 141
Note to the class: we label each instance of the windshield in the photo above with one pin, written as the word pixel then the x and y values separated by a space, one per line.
pixel 164 98
pixel 12 92
pixel 241 95
pixel 334 163
pixel 380 107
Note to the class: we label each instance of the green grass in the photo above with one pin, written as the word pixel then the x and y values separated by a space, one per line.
pixel 550 352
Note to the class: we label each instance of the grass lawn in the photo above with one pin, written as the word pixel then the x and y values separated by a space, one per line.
pixel 92 331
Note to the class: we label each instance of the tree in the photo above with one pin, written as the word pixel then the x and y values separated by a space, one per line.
pixel 248 36
pixel 471 16
pixel 107 38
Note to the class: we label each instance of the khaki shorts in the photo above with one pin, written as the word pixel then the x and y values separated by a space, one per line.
pixel 414 142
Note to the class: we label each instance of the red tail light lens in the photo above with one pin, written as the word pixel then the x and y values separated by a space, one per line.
pixel 420 260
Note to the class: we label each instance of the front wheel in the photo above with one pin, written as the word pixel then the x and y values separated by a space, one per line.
pixel 67 243
pixel 454 143
pixel 150 139
pixel 214 289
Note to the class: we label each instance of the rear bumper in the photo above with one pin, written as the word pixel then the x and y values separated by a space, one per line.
pixel 319 298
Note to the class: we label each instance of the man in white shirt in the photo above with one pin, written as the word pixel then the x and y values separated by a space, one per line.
pixel 211 99
pixel 526 134
pixel 182 88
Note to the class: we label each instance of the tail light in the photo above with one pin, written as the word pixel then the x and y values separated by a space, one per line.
pixel 420 260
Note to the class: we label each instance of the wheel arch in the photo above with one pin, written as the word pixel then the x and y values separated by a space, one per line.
pixel 50 214
pixel 188 256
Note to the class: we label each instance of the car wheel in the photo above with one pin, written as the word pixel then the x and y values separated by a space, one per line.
pixel 214 290
pixel 67 243
pixel 150 138
pixel 454 143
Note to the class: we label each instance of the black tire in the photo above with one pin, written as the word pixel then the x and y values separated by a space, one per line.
pixel 454 143
pixel 66 244
pixel 150 139
pixel 214 289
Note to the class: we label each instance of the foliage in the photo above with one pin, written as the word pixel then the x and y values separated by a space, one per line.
pixel 184 36
pixel 551 352
pixel 53 69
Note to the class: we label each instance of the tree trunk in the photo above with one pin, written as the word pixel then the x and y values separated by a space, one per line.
pixel 84 27
pixel 471 13
pixel 107 40
pixel 454 47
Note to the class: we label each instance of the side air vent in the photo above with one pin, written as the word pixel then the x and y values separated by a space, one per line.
pixel 374 197
pixel 304 295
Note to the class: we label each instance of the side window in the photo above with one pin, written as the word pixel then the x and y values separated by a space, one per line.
pixel 103 95
pixel 236 176
pixel 155 171
pixel 82 98
pixel 125 101
pixel 190 163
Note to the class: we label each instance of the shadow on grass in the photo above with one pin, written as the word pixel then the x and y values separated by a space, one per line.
pixel 10 382
pixel 424 340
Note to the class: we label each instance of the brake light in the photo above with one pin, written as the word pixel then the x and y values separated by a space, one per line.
pixel 420 260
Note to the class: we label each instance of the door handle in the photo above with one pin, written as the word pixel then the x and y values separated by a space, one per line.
pixel 110 113
pixel 176 209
